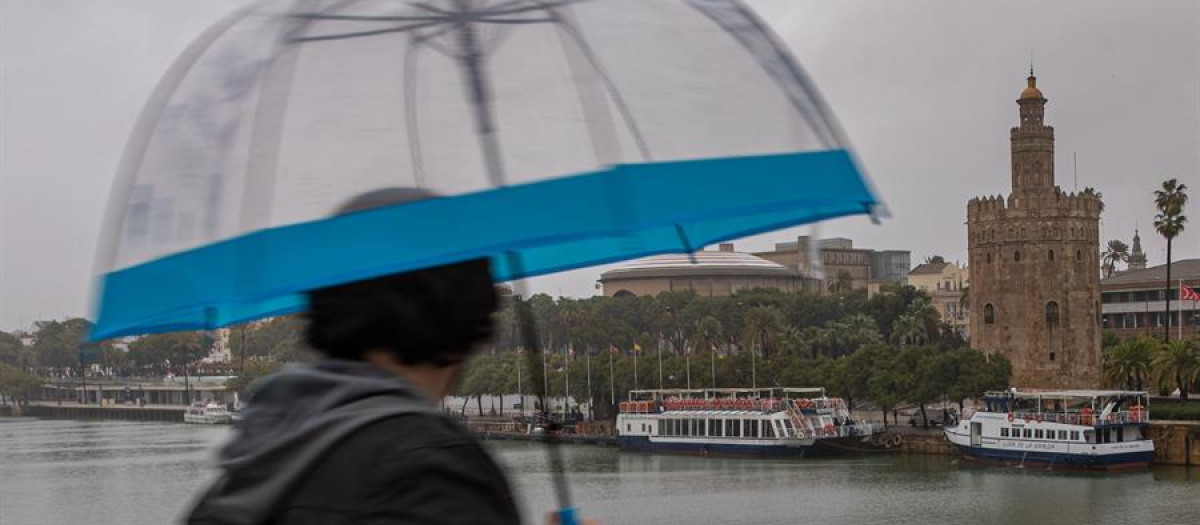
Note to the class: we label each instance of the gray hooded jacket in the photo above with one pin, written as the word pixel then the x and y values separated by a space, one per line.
pixel 295 420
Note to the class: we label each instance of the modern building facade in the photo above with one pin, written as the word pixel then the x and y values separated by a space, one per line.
pixel 839 262
pixel 1034 259
pixel 1133 302
pixel 890 265
pixel 717 273
pixel 947 284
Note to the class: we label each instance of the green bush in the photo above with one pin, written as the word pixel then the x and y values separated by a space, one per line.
pixel 1179 412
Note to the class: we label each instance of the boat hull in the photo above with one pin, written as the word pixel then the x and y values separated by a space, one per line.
pixel 708 449
pixel 1121 461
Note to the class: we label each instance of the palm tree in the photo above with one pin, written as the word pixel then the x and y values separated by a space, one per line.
pixel 1128 363
pixel 763 325
pixel 909 329
pixel 935 259
pixel 1169 223
pixel 1116 252
pixel 1178 363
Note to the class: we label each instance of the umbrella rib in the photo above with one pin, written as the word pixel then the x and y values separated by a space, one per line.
pixel 618 100
pixel 400 29
pixel 364 18
pixel 499 9
pixel 779 67
pixel 410 113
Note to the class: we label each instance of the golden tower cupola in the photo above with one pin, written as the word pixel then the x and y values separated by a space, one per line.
pixel 1031 90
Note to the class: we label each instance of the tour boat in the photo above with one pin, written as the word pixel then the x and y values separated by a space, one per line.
pixel 1076 429
pixel 207 414
pixel 757 422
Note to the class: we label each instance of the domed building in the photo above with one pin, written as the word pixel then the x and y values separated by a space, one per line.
pixel 708 273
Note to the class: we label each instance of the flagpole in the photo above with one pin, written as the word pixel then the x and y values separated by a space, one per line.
pixel 520 391
pixel 713 362
pixel 687 359
pixel 1180 323
pixel 635 370
pixel 591 402
pixel 660 381
pixel 612 380
pixel 567 380
pixel 546 384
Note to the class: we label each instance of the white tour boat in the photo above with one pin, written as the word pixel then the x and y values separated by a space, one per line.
pixel 1082 429
pixel 761 422
pixel 207 414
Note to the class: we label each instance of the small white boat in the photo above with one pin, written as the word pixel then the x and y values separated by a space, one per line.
pixel 1073 429
pixel 207 414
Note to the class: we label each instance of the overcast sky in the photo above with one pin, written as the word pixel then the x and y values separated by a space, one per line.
pixel 924 89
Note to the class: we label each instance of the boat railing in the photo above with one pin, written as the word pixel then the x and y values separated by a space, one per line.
pixel 1085 418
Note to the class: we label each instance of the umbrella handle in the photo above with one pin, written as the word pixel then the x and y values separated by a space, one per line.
pixel 567 516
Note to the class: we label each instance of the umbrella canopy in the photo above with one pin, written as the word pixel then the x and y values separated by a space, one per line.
pixel 560 133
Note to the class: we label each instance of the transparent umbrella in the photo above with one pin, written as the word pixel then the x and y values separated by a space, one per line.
pixel 559 133
pixel 570 133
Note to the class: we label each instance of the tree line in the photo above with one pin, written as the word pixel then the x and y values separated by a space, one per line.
pixel 888 348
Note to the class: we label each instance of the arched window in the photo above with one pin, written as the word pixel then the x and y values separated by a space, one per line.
pixel 1017 256
pixel 1051 255
pixel 989 258
pixel 1052 314
pixel 1051 356
pixel 1078 255
pixel 624 293
pixel 989 314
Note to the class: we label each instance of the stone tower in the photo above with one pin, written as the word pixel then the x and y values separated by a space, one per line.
pixel 1034 258
pixel 1137 258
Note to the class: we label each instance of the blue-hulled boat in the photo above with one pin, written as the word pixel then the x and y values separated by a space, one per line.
pixel 1069 429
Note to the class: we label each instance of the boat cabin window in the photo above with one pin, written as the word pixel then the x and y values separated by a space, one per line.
pixel 787 429
pixel 1029 433
pixel 733 428
pixel 768 429
pixel 714 428
pixel 1062 435
pixel 1089 436
pixel 1074 435
pixel 1120 434
pixel 751 428
pixel 1037 434
pixel 1004 432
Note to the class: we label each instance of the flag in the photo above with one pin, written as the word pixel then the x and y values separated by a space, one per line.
pixel 1187 293
pixel 637 349
pixel 612 349
pixel 571 351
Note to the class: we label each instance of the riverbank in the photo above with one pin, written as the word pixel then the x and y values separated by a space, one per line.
pixel 1175 442
pixel 148 413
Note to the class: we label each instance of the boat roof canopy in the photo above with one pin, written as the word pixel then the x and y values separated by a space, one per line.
pixel 1066 394
pixel 768 391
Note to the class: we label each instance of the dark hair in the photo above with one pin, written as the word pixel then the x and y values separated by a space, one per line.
pixel 430 316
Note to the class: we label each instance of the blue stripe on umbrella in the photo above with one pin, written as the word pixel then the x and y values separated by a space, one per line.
pixel 629 211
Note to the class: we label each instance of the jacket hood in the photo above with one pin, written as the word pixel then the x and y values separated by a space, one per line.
pixel 294 416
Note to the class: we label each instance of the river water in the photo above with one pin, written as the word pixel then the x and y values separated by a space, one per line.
pixel 124 473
